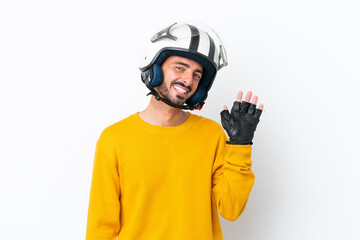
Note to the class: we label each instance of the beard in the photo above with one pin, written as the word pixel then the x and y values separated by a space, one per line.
pixel 164 91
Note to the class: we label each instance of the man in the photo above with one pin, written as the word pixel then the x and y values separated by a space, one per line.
pixel 164 173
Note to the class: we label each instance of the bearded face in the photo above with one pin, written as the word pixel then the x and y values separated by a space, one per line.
pixel 181 79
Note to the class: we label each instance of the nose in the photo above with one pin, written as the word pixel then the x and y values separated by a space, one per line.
pixel 187 78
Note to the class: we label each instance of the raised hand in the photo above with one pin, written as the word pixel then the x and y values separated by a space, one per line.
pixel 241 123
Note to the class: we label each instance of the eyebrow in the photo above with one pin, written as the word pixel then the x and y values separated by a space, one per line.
pixel 188 66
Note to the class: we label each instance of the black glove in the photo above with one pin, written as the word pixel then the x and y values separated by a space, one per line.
pixel 241 123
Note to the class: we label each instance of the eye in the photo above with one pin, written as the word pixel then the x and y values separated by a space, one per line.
pixel 197 76
pixel 179 68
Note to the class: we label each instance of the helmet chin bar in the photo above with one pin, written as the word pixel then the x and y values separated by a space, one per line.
pixel 168 102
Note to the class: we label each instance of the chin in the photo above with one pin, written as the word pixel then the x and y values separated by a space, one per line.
pixel 178 102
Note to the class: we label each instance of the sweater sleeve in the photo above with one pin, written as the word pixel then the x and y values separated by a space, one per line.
pixel 104 205
pixel 232 178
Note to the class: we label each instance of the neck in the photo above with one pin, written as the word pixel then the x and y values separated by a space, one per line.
pixel 160 114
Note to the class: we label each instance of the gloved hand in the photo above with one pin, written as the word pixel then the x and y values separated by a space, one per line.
pixel 241 123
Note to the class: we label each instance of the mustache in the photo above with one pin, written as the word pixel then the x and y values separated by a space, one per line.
pixel 181 84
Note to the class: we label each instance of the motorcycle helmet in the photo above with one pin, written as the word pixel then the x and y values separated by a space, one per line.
pixel 198 43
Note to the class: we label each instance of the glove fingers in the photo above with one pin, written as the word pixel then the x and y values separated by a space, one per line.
pixel 244 106
pixel 225 119
pixel 225 114
pixel 236 107
pixel 251 108
pixel 257 114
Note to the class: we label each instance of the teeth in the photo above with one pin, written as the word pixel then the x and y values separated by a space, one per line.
pixel 180 89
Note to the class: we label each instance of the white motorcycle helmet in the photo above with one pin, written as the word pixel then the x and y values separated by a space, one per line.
pixel 198 43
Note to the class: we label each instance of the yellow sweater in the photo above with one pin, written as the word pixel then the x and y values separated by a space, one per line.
pixel 166 183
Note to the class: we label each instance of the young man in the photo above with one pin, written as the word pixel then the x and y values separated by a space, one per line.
pixel 164 173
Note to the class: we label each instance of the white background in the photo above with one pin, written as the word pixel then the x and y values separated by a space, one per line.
pixel 68 69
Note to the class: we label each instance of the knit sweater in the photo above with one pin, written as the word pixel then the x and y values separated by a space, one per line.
pixel 166 183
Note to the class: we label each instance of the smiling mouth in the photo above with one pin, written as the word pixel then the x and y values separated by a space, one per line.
pixel 181 89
